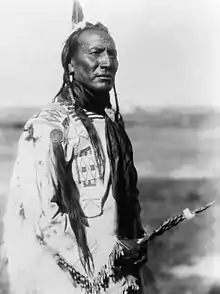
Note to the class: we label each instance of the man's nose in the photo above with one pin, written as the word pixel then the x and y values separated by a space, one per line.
pixel 106 60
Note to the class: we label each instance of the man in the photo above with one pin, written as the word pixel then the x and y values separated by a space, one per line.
pixel 74 186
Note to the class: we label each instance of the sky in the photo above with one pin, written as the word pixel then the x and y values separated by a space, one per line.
pixel 168 50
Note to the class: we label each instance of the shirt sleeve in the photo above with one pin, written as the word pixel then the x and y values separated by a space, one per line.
pixel 30 191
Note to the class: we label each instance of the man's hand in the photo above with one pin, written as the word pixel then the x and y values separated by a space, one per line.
pixel 133 253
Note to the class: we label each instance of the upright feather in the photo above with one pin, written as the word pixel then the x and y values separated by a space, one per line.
pixel 77 14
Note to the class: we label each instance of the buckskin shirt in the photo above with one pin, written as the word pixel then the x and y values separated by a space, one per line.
pixel 31 214
pixel 31 209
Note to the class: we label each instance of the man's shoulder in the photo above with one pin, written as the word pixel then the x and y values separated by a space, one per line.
pixel 54 115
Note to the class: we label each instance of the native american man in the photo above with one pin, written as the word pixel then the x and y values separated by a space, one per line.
pixel 74 190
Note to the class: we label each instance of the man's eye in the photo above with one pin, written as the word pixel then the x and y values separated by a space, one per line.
pixel 96 52
pixel 99 52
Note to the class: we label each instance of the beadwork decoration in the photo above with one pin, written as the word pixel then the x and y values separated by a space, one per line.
pixel 107 274
pixel 56 136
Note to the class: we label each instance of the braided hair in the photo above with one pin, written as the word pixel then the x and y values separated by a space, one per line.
pixel 68 52
pixel 123 175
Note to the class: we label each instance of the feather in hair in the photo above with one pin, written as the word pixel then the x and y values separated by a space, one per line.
pixel 77 14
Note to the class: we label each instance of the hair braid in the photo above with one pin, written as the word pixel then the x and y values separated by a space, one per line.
pixel 69 49
pixel 88 124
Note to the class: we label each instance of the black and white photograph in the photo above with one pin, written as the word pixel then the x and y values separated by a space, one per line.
pixel 110 147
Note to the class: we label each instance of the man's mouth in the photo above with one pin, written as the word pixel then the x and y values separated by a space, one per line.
pixel 105 76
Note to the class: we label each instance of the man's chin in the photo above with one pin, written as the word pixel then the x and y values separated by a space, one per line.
pixel 102 87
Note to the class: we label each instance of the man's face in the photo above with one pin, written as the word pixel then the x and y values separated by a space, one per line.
pixel 95 62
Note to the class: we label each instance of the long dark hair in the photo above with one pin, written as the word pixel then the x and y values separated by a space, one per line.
pixel 67 188
pixel 123 175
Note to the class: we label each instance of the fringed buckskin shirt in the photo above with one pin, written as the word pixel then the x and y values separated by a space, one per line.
pixel 31 213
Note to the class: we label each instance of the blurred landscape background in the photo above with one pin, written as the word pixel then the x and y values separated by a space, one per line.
pixel 177 156
pixel 168 55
